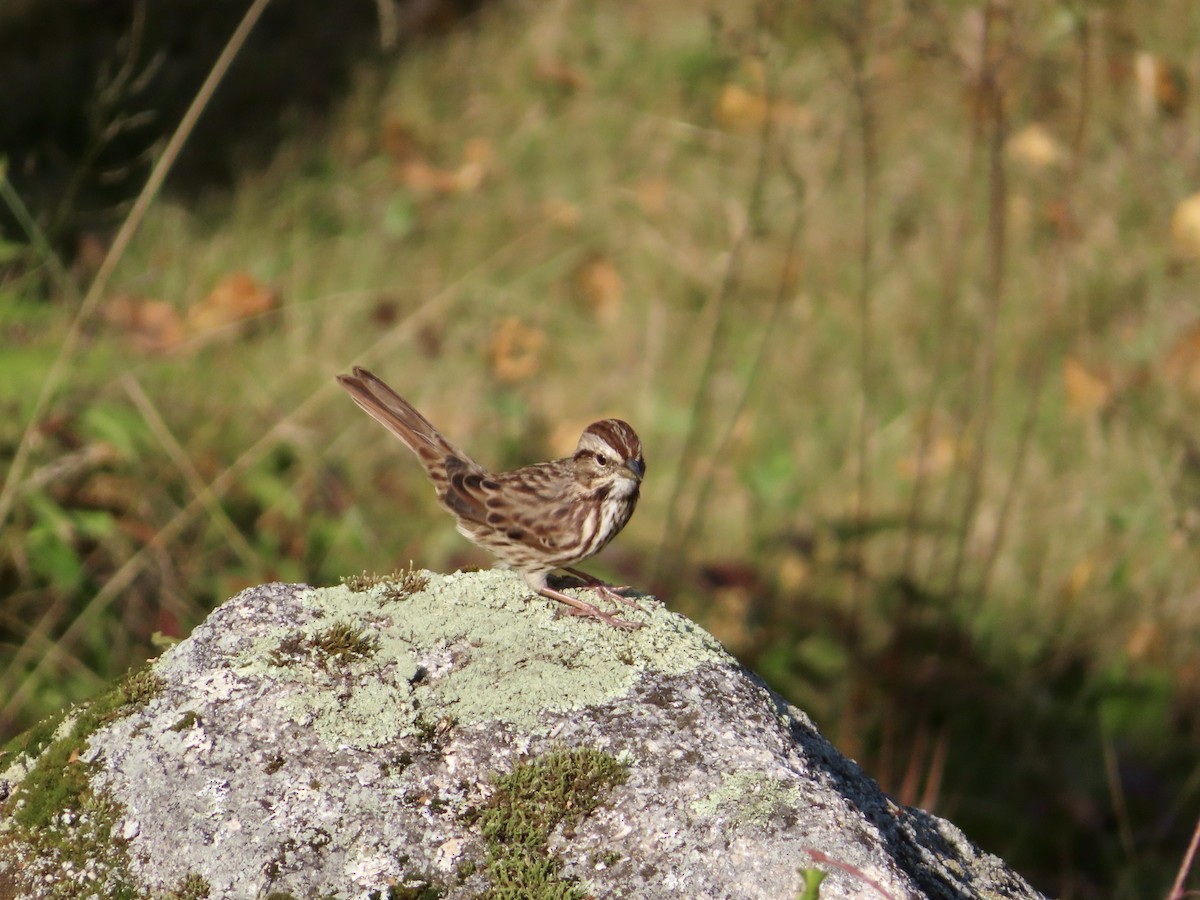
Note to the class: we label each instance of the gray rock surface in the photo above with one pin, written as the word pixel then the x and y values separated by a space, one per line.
pixel 326 742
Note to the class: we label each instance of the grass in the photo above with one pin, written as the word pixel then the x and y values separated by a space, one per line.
pixel 915 449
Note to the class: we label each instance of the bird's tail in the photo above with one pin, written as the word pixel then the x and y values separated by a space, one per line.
pixel 399 417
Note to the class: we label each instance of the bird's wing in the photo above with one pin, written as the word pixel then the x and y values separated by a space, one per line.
pixel 518 504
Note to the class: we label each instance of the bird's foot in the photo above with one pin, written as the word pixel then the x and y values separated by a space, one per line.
pixel 577 607
pixel 608 591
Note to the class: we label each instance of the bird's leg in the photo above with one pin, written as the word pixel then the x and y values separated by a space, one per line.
pixel 577 607
pixel 537 580
pixel 607 591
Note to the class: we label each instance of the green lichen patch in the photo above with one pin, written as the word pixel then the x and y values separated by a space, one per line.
pixel 527 805
pixel 396 586
pixel 475 647
pixel 749 798
pixel 340 644
pixel 59 823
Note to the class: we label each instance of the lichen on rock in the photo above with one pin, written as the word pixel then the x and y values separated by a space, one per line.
pixel 451 735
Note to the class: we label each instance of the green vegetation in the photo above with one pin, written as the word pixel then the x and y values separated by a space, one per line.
pixel 341 643
pixel 187 721
pixel 560 788
pixel 399 585
pixel 58 780
pixel 58 818
pixel 192 887
pixel 812 884
pixel 400 892
pixel 890 293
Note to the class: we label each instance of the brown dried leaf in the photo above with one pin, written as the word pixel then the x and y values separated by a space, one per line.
pixel 652 194
pixel 562 213
pixel 420 176
pixel 235 298
pixel 555 72
pixel 1162 88
pixel 106 490
pixel 91 251
pixel 152 326
pixel 946 447
pixel 1061 218
pixel 477 160
pixel 516 350
pixel 601 287
pixel 1144 643
pixel 746 110
pixel 399 141
pixel 1182 363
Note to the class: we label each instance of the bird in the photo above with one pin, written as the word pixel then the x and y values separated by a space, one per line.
pixel 534 519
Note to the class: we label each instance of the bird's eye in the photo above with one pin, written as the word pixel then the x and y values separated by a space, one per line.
pixel 601 460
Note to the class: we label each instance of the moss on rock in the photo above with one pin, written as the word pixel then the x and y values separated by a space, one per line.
pixel 56 820
pixel 536 797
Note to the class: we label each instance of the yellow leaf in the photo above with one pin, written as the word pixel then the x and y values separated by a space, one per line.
pixel 745 110
pixel 946 446
pixel 1079 578
pixel 741 110
pixel 1036 147
pixel 1087 392
pixel 1185 228
pixel 561 213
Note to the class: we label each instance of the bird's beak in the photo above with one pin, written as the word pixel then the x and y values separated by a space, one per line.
pixel 636 467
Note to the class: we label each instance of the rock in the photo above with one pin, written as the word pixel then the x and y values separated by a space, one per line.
pixel 451 736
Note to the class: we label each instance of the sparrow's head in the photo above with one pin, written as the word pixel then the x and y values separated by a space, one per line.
pixel 610 452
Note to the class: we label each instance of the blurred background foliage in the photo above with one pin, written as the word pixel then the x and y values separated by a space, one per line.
pixel 901 297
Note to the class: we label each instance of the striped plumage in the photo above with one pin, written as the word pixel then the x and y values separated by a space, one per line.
pixel 538 518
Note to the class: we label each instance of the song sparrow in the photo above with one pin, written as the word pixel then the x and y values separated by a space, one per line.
pixel 538 518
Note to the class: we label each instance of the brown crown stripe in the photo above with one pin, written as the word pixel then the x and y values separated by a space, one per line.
pixel 618 435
